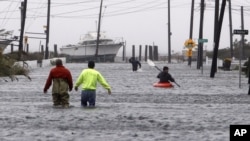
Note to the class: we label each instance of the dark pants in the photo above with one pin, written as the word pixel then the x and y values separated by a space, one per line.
pixel 134 66
pixel 60 99
pixel 88 96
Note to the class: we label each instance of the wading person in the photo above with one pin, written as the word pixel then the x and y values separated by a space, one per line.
pixel 135 63
pixel 249 81
pixel 88 79
pixel 62 83
pixel 164 76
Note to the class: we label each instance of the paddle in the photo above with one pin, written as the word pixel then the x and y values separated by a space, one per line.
pixel 151 63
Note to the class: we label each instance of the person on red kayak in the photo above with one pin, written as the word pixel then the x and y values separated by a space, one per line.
pixel 164 76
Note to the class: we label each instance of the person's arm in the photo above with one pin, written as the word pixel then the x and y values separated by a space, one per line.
pixel 159 75
pixel 171 78
pixel 48 82
pixel 70 80
pixel 79 81
pixel 104 83
pixel 130 60
pixel 139 64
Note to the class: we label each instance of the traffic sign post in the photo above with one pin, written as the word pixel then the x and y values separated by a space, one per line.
pixel 200 54
pixel 241 32
pixel 189 44
pixel 189 53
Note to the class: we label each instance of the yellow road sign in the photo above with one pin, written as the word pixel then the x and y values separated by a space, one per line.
pixel 189 43
pixel 189 53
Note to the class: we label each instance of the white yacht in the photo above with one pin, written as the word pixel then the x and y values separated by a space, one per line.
pixel 86 49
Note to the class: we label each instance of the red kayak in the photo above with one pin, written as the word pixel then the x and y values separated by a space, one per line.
pixel 163 85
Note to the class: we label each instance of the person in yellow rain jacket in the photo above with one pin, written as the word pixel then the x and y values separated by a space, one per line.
pixel 88 79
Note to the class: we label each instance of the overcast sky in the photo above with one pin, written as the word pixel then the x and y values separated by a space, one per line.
pixel 138 22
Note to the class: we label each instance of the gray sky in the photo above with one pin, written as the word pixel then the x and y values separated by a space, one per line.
pixel 138 22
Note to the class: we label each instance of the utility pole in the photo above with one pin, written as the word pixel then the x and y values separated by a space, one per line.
pixel 98 31
pixel 216 20
pixel 47 32
pixel 191 20
pixel 191 30
pixel 169 34
pixel 200 45
pixel 217 32
pixel 23 17
pixel 241 48
pixel 230 28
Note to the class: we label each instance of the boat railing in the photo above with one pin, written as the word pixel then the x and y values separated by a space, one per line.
pixel 118 40
pixel 102 41
pixel 6 34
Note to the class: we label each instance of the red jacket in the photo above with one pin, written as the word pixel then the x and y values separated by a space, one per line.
pixel 59 72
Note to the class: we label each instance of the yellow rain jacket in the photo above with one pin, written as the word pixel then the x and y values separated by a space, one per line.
pixel 89 77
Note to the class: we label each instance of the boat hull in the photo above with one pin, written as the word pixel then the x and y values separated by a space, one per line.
pixel 81 53
pixel 98 58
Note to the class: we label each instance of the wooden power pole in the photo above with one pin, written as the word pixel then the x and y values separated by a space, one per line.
pixel 23 17
pixel 98 31
pixel 217 31
pixel 47 32
pixel 169 34
pixel 200 45
pixel 230 28
pixel 191 30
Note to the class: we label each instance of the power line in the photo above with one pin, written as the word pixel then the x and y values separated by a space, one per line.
pixel 126 7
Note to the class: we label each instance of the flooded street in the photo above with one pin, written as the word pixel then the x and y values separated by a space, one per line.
pixel 202 109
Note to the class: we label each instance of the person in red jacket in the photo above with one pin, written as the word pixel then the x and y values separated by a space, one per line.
pixel 62 83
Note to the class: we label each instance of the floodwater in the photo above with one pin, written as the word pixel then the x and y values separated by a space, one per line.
pixel 202 109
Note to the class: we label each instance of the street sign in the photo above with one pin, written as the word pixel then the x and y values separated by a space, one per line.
pixel 202 40
pixel 238 31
